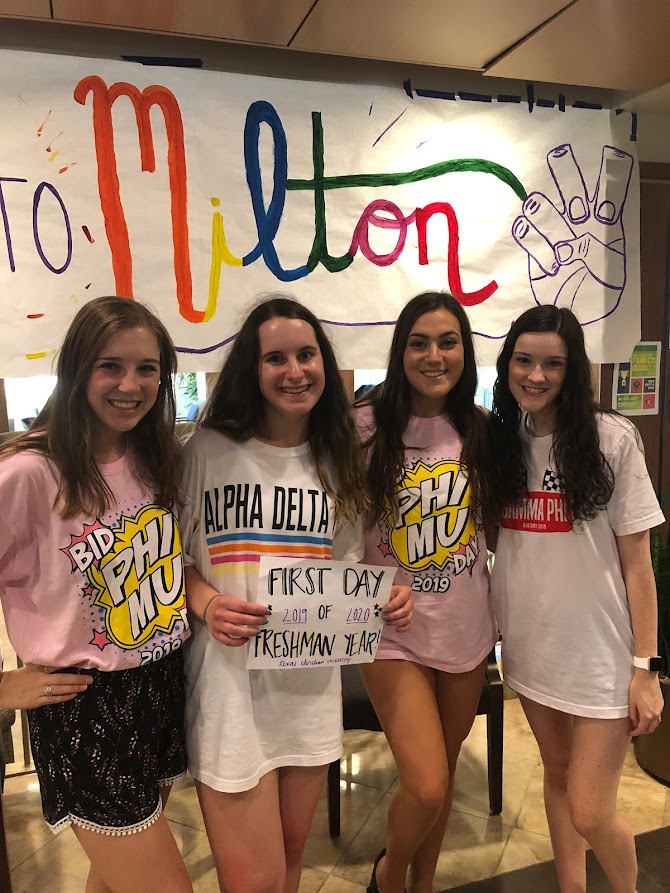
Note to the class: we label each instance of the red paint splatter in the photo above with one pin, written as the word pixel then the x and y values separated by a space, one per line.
pixel 67 167
pixel 88 235
pixel 34 316
pixel 41 127
pixel 48 148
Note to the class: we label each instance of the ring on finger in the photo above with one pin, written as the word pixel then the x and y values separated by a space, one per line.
pixel 48 691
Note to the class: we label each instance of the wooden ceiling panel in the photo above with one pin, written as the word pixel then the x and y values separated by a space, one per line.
pixel 26 9
pixel 619 44
pixel 454 33
pixel 256 21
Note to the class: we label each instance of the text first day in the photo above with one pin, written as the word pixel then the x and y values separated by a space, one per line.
pixel 307 578
pixel 321 613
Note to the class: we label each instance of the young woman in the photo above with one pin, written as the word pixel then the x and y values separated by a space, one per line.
pixel 573 585
pixel 91 581
pixel 426 445
pixel 274 469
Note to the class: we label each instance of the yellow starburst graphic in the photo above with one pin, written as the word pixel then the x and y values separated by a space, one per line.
pixel 434 516
pixel 140 581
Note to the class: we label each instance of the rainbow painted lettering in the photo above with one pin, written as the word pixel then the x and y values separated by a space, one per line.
pixel 380 213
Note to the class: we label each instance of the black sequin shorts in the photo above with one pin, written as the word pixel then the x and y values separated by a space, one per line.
pixel 102 757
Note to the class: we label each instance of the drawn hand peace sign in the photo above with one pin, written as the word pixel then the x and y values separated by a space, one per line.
pixel 576 245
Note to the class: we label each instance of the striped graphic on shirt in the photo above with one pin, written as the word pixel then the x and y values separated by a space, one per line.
pixel 240 551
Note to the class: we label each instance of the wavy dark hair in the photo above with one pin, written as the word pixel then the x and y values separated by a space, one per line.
pixel 586 477
pixel 236 405
pixel 391 402
pixel 64 429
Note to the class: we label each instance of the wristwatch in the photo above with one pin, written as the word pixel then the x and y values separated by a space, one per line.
pixel 653 664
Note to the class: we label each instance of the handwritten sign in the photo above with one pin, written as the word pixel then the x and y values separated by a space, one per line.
pixel 323 613
pixel 196 191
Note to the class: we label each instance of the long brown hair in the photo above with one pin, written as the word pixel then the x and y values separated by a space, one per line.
pixel 586 477
pixel 64 429
pixel 236 405
pixel 390 403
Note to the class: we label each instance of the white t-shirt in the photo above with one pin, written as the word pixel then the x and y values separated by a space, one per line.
pixel 244 500
pixel 558 592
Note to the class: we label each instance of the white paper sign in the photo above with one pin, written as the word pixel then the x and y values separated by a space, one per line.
pixel 323 613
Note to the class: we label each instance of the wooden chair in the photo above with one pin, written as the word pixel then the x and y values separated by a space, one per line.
pixel 358 713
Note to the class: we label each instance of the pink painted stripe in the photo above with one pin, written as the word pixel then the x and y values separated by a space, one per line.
pixel 224 559
pixel 237 558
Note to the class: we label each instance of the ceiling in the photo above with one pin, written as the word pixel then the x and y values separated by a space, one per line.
pixel 619 45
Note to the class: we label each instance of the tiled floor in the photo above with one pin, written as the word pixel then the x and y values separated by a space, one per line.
pixel 653 849
pixel 476 847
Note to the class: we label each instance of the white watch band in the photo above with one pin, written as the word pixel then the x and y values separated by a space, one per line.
pixel 646 663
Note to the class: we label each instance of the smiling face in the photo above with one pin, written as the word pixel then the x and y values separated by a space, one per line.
pixel 291 376
pixel 433 361
pixel 123 386
pixel 537 371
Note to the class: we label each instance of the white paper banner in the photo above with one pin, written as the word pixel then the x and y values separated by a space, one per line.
pixel 196 191
pixel 322 613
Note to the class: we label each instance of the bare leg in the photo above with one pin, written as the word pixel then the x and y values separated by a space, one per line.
pixel 553 731
pixel 598 750
pixel 300 788
pixel 135 863
pixel 95 884
pixel 244 831
pixel 457 698
pixel 404 696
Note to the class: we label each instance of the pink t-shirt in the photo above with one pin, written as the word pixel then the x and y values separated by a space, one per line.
pixel 440 550
pixel 105 593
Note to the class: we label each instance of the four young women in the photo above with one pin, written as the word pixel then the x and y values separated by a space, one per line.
pixel 90 557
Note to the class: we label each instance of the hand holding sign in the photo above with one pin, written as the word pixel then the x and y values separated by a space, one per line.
pixel 576 243
pixel 233 621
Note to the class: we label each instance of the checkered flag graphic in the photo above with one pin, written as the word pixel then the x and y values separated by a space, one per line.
pixel 551 481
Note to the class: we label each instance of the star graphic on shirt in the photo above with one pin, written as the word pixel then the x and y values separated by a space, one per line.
pixel 101 639
pixel 87 590
pixel 385 549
